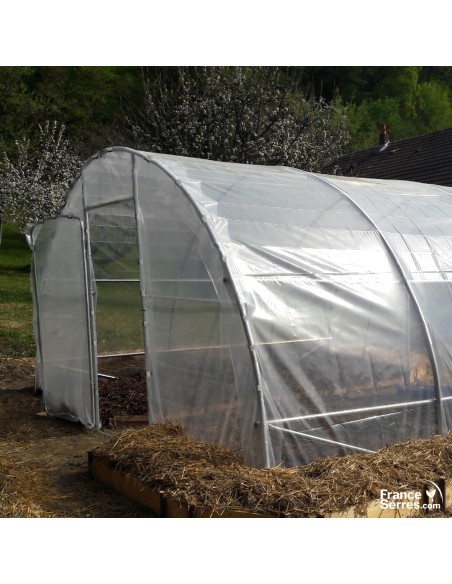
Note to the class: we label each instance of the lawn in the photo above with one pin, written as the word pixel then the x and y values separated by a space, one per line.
pixel 118 314
pixel 16 310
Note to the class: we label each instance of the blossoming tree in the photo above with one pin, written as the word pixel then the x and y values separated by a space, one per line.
pixel 238 114
pixel 33 184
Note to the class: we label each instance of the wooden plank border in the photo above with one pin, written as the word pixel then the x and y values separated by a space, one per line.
pixel 159 503
pixel 164 506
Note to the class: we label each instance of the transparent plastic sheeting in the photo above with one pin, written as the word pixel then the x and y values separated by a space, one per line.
pixel 114 254
pixel 290 315
pixel 61 324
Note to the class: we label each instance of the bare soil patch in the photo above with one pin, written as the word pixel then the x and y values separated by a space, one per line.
pixel 125 396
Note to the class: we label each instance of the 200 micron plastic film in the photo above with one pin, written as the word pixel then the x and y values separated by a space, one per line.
pixel 287 314
pixel 62 320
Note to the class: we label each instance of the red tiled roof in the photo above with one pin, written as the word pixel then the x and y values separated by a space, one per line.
pixel 426 159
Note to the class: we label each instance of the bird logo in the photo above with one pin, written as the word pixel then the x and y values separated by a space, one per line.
pixel 432 492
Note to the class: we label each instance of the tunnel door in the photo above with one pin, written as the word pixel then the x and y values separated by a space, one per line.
pixel 63 328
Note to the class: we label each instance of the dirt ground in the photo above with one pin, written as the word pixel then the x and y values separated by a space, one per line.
pixel 43 461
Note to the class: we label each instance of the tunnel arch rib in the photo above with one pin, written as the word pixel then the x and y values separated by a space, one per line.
pixel 395 259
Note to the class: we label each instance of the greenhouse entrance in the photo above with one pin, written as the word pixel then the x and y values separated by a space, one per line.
pixel 118 312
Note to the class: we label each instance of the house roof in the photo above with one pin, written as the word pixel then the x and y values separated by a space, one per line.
pixel 426 159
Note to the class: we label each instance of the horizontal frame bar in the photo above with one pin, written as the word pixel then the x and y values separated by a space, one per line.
pixel 293 341
pixel 366 419
pixel 120 355
pixel 318 439
pixel 117 280
pixel 181 280
pixel 358 410
pixel 108 203
pixel 185 298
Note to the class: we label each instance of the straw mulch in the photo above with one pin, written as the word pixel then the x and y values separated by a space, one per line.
pixel 19 491
pixel 208 477
pixel 31 491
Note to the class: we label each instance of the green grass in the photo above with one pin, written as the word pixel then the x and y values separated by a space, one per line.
pixel 119 325
pixel 16 310
pixel 118 317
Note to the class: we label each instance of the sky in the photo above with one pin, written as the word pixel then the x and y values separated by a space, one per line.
pixel 236 32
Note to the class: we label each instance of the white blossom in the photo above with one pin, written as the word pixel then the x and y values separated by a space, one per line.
pixel 34 182
pixel 239 114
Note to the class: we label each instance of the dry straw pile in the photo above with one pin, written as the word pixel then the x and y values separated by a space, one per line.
pixel 208 477
pixel 32 490
pixel 23 491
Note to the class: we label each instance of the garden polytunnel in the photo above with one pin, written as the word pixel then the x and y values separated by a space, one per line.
pixel 288 314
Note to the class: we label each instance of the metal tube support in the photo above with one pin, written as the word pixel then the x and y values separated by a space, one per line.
pixel 106 203
pixel 318 439
pixel 241 308
pixel 120 355
pixel 395 259
pixel 115 280
pixel 91 314
pixel 144 319
pixel 357 411
pixel 38 317
pixel 260 395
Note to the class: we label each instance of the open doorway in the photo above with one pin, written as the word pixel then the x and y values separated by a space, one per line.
pixel 118 313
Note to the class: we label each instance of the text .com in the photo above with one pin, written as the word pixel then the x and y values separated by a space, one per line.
pixel 407 500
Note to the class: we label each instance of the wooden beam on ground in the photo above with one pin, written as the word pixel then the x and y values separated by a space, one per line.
pixel 158 502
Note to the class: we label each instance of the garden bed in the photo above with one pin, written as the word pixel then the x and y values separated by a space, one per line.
pixel 179 472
